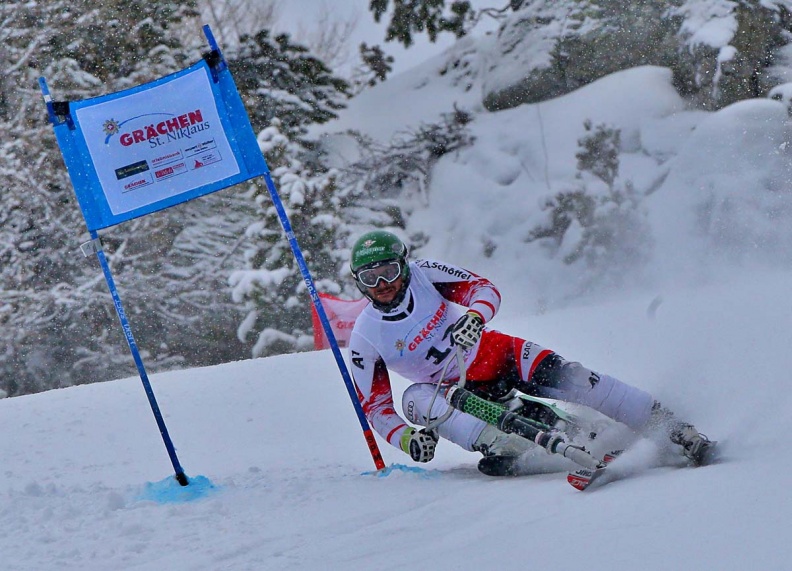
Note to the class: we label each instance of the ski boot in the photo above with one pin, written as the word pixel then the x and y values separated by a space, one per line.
pixel 501 452
pixel 695 446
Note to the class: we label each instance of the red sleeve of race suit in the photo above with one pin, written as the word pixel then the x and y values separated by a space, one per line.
pixel 462 286
pixel 373 386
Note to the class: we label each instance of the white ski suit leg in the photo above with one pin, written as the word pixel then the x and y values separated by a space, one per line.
pixel 570 381
pixel 460 428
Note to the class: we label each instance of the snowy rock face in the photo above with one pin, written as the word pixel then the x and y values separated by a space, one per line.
pixel 720 51
pixel 731 51
pixel 552 48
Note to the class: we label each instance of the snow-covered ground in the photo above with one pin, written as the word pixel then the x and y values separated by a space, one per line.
pixel 81 484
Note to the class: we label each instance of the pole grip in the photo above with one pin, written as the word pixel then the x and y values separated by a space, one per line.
pixel 510 422
pixel 494 413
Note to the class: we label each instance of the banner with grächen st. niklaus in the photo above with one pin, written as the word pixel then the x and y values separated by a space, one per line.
pixel 156 145
pixel 147 148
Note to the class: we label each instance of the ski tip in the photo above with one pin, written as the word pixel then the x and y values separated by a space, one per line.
pixel 582 478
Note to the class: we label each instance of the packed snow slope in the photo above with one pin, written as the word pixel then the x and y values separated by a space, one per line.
pixel 280 442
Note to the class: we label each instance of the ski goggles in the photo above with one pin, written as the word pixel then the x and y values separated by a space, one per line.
pixel 370 277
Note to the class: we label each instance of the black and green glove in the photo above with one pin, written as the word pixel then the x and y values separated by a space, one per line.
pixel 419 444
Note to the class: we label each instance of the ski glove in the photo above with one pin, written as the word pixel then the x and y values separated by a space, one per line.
pixel 419 444
pixel 467 330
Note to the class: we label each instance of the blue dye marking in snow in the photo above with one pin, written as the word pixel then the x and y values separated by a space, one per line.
pixel 169 491
pixel 402 468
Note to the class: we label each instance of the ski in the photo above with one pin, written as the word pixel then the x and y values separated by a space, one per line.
pixel 582 478
pixel 539 421
pixel 589 479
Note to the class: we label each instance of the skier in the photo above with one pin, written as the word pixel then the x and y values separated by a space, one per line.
pixel 414 324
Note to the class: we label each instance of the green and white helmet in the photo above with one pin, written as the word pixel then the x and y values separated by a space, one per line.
pixel 375 249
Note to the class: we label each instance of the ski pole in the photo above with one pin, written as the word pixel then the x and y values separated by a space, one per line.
pixel 499 416
pixel 461 383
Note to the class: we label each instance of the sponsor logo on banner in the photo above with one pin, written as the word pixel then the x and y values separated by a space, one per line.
pixel 169 171
pixel 205 159
pixel 110 127
pixel 166 158
pixel 131 170
pixel 200 147
pixel 135 176
pixel 138 182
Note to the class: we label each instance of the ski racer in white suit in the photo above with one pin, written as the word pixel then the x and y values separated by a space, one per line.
pixel 419 312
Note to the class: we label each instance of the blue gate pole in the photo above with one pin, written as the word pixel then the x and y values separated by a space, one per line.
pixel 306 275
pixel 97 247
pixel 284 219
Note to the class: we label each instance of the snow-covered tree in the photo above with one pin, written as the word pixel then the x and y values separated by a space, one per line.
pixel 374 67
pixel 286 89
pixel 232 19
pixel 281 79
pixel 599 225
pixel 402 167
pixel 171 267
pixel 433 17
pixel 271 286
pixel 57 324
